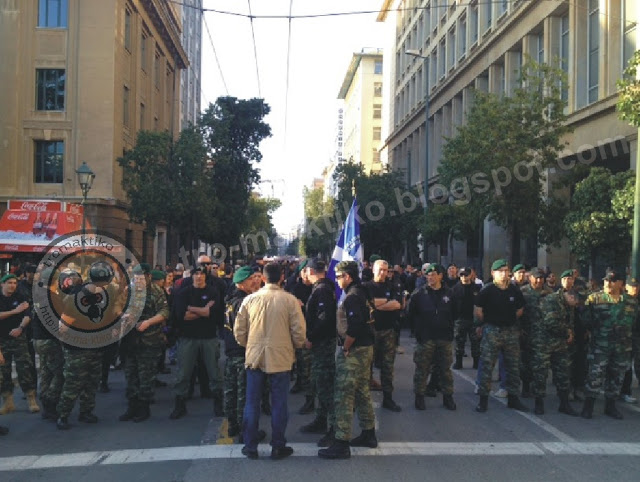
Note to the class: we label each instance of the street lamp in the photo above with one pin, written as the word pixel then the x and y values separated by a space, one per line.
pixel 85 179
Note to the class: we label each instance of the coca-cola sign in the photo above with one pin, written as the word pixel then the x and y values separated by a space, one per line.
pixel 34 205
pixel 19 216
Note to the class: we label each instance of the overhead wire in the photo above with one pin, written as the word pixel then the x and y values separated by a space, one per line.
pixel 215 54
pixel 286 91
pixel 255 49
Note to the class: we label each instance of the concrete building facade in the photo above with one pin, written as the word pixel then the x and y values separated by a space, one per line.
pixel 190 78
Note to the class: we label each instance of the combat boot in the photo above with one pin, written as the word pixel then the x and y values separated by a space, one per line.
pixel 131 411
pixel 328 439
pixel 218 409
pixel 565 407
pixel 388 403
pixel 476 361
pixel 611 410
pixel 49 411
pixel 319 425
pixel 587 408
pixel 233 429
pixel 8 405
pixel 309 405
pixel 458 364
pixel 515 403
pixel 539 408
pixel 420 402
pixel 143 412
pixel 63 423
pixel 338 450
pixel 31 401
pixel 448 403
pixel 87 417
pixel 366 439
pixel 483 404
pixel 179 410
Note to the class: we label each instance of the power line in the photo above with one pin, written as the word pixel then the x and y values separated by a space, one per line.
pixel 206 25
pixel 255 49
pixel 286 92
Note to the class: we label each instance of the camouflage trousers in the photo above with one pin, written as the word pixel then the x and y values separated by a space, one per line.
pixel 495 338
pixel 352 391
pixel 430 353
pixel 323 374
pixel 578 368
pixel 385 346
pixel 303 371
pixel 140 369
pixel 235 390
pixel 464 329
pixel 554 354
pixel 51 369
pixel 526 359
pixel 81 379
pixel 16 350
pixel 607 363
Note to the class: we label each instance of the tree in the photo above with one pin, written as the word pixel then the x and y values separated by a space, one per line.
pixel 320 237
pixel 502 152
pixel 629 98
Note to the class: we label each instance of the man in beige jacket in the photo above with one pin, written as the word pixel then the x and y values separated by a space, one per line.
pixel 270 326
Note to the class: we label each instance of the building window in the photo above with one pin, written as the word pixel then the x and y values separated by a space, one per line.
pixel 488 15
pixel 377 111
pixel 462 37
pixel 451 48
pixel 376 155
pixel 143 52
pixel 564 54
pixel 50 89
pixel 377 67
pixel 127 30
pixel 434 68
pixel 142 113
pixel 49 157
pixel 125 106
pixel 442 62
pixel 593 35
pixel 52 13
pixel 377 133
pixel 502 6
pixel 540 48
pixel 156 70
pixel 377 89
pixel 629 24
pixel 473 24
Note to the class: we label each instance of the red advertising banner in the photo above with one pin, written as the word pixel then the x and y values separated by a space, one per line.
pixel 34 205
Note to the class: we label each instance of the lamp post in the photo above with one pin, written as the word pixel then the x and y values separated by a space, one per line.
pixel 85 179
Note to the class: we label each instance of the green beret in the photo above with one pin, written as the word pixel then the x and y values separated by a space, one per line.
pixel 242 274
pixel 7 277
pixel 374 257
pixel 434 267
pixel 498 264
pixel 142 268
pixel 349 267
pixel 157 275
pixel 517 267
pixel 567 273
pixel 301 266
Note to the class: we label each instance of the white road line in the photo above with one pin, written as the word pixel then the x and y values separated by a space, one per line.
pixel 210 452
pixel 532 418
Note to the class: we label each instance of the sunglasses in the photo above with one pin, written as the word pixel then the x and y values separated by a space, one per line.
pixel 205 264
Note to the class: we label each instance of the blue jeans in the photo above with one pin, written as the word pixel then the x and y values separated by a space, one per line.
pixel 501 371
pixel 279 408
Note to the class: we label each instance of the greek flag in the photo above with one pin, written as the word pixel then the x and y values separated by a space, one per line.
pixel 348 247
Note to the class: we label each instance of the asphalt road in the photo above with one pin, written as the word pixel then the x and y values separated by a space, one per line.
pixel 436 444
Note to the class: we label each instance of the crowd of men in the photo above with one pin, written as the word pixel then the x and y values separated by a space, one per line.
pixel 276 322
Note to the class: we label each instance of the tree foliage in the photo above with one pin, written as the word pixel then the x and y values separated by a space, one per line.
pixel 320 213
pixel 629 98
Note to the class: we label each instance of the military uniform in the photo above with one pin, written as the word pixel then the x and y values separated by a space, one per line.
pixel 81 377
pixel 532 316
pixel 303 355
pixel 464 296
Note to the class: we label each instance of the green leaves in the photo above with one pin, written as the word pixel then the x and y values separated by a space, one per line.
pixel 628 105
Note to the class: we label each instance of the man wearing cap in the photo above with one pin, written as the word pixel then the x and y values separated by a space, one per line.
pixel 388 300
pixel 143 345
pixel 433 313
pixel 609 316
pixel 270 325
pixel 452 276
pixel 464 296
pixel 320 315
pixel 551 336
pixel 578 347
pixel 498 307
pixel 632 289
pixel 353 366
pixel 519 275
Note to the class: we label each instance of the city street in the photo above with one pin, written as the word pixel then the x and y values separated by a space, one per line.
pixel 436 444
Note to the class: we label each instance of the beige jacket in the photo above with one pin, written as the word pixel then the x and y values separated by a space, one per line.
pixel 270 325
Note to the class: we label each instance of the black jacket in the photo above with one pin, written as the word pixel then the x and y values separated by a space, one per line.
pixel 464 297
pixel 232 302
pixel 432 313
pixel 357 311
pixel 321 311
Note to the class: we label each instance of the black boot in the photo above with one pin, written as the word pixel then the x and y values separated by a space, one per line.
pixel 476 360
pixel 366 439
pixel 63 423
pixel 131 411
pixel 515 403
pixel 180 409
pixel 319 425
pixel 483 404
pixel 611 410
pixel 389 404
pixel 420 402
pixel 338 450
pixel 587 408
pixel 218 409
pixel 526 392
pixel 458 364
pixel 565 406
pixel 143 412
pixel 308 407
pixel 539 408
pixel 448 403
pixel 49 411
pixel 233 429
pixel 328 438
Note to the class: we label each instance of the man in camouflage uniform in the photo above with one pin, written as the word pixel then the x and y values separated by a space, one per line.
pixel 143 345
pixel 533 294
pixel 432 311
pixel 464 295
pixel 353 366
pixel 632 288
pixel 551 335
pixel 609 316
pixel 498 307
pixel 320 315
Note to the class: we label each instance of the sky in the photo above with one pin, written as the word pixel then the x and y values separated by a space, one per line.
pixel 303 121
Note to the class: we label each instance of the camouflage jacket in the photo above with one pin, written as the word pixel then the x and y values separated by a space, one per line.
pixel 557 318
pixel 155 304
pixel 608 320
pixel 532 308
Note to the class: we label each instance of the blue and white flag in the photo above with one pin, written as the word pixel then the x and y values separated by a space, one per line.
pixel 349 247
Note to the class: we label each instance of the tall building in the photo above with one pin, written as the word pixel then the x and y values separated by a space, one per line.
pixel 482 45
pixel 80 79
pixel 190 78
pixel 361 91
